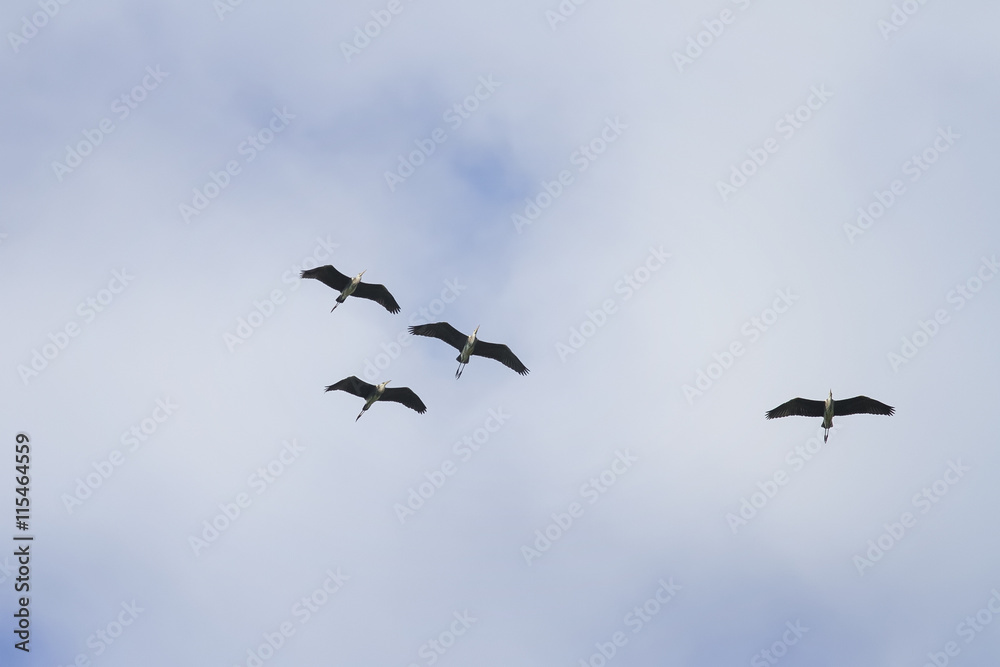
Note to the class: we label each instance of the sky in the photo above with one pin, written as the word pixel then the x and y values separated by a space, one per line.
pixel 677 215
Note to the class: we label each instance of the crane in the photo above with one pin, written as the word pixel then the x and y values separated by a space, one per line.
pixel 352 287
pixel 372 393
pixel 804 407
pixel 468 346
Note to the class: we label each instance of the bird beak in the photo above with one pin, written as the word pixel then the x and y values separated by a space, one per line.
pixel 476 331
pixel 362 273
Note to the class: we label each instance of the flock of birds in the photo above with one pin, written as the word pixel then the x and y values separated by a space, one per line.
pixel 467 346
pixel 470 345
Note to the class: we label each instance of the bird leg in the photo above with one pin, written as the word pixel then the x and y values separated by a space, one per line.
pixel 458 373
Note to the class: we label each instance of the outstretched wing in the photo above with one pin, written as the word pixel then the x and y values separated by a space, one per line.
pixel 500 353
pixel 861 405
pixel 378 294
pixel 328 276
pixel 406 396
pixel 802 407
pixel 443 331
pixel 353 385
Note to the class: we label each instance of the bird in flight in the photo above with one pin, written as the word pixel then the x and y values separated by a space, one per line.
pixel 859 405
pixel 352 286
pixel 468 346
pixel 372 393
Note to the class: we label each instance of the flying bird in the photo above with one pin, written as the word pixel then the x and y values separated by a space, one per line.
pixel 352 286
pixel 469 345
pixel 372 393
pixel 859 405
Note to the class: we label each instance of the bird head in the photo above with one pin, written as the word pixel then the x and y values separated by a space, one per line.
pixel 382 386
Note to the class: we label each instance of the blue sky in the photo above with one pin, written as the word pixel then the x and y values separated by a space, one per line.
pixel 668 238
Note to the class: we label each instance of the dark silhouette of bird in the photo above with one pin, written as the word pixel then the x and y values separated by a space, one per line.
pixel 372 393
pixel 804 407
pixel 352 287
pixel 469 346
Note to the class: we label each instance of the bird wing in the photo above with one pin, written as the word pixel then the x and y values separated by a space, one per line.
pixel 861 405
pixel 406 396
pixel 802 407
pixel 443 331
pixel 328 276
pixel 500 353
pixel 378 294
pixel 353 385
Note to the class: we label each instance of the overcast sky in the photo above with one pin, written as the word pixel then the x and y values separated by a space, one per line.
pixel 677 215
